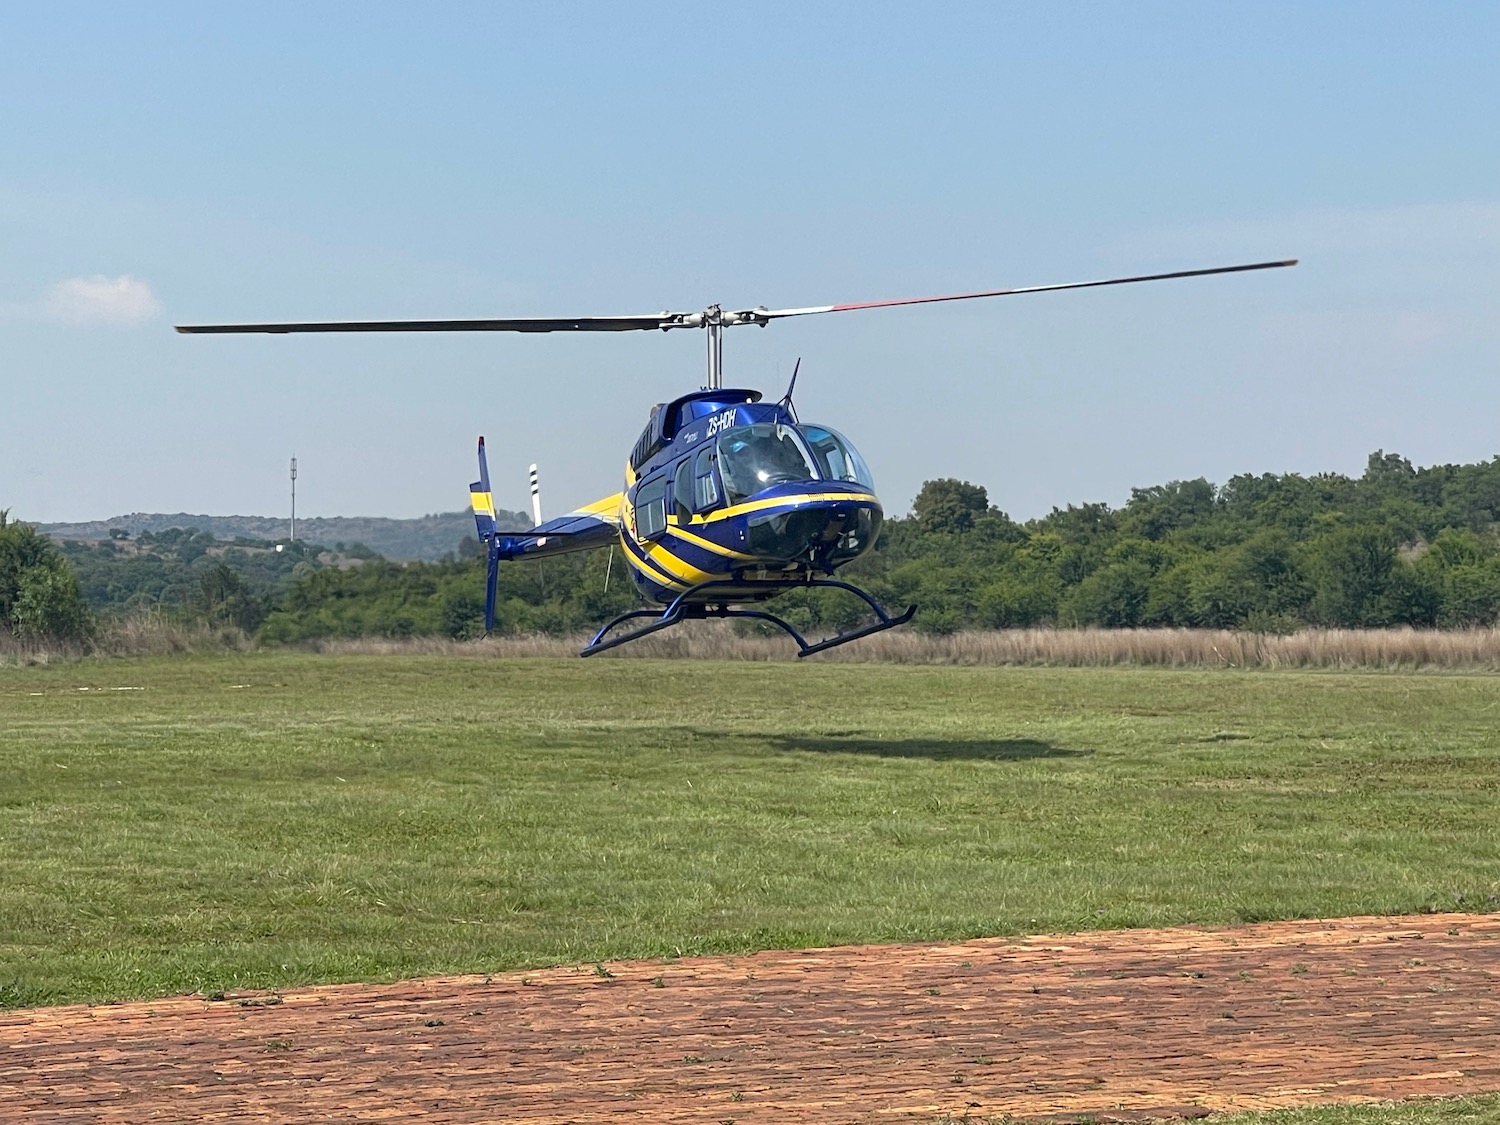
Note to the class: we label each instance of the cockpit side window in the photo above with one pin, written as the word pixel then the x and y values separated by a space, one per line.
pixel 836 456
pixel 705 488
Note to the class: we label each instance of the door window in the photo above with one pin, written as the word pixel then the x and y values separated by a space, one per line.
pixel 705 488
pixel 651 507
pixel 682 489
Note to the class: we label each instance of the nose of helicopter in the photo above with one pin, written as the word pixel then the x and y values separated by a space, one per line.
pixel 822 523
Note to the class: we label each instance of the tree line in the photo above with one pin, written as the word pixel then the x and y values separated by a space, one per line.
pixel 1397 545
pixel 68 590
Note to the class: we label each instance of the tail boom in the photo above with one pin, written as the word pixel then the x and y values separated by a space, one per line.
pixel 595 525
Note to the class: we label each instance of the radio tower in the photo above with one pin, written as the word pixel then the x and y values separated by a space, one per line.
pixel 293 535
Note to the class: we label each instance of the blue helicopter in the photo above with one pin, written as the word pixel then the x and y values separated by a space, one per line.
pixel 728 500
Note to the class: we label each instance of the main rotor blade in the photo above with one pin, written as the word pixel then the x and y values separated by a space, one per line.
pixel 514 324
pixel 667 320
pixel 761 316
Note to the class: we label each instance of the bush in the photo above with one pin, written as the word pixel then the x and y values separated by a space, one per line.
pixel 39 596
pixel 48 606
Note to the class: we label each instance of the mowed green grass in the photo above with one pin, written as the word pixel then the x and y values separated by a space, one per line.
pixel 274 819
pixel 1483 1110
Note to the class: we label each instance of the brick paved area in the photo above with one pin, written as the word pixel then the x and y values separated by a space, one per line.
pixel 1121 1025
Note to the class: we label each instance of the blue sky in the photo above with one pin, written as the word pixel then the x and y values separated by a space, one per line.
pixel 166 163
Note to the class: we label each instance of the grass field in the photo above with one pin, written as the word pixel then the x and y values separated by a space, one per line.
pixel 1484 1110
pixel 271 819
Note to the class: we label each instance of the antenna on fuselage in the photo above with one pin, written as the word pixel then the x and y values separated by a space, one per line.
pixel 786 399
pixel 536 500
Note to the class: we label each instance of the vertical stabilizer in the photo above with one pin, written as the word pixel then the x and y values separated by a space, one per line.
pixel 483 502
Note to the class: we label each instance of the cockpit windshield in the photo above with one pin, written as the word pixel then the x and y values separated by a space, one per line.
pixel 754 457
pixel 837 458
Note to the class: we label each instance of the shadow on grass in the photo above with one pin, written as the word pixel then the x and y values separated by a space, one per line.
pixel 934 749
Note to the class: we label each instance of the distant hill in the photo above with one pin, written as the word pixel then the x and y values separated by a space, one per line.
pixel 427 538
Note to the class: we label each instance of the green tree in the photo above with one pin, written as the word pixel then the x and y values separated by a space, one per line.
pixel 1350 569
pixel 1469 595
pixel 48 606
pixel 1019 598
pixel 1389 472
pixel 227 599
pixel 1412 597
pixel 949 506
pixel 1114 596
pixel 1154 512
pixel 39 596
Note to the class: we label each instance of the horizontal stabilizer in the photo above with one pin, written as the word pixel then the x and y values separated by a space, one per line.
pixel 576 531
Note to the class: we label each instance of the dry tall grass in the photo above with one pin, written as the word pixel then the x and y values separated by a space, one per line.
pixel 1392 649
pixel 147 633
pixel 16 653
pixel 1477 650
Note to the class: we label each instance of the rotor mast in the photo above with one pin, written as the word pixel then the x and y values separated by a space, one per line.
pixel 713 321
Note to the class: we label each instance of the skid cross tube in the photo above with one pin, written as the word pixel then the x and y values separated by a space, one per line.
pixel 681 609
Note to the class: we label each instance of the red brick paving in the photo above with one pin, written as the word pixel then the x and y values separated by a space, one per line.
pixel 1127 1024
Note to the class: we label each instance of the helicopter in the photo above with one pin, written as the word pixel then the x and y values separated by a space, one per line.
pixel 728 500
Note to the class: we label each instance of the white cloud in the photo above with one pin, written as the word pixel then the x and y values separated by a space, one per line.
pixel 122 300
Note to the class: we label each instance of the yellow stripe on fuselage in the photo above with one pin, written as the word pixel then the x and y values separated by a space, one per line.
pixel 656 559
pixel 648 566
pixel 663 557
pixel 787 502
pixel 680 531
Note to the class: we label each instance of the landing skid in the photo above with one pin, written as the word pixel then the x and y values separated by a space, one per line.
pixel 682 609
